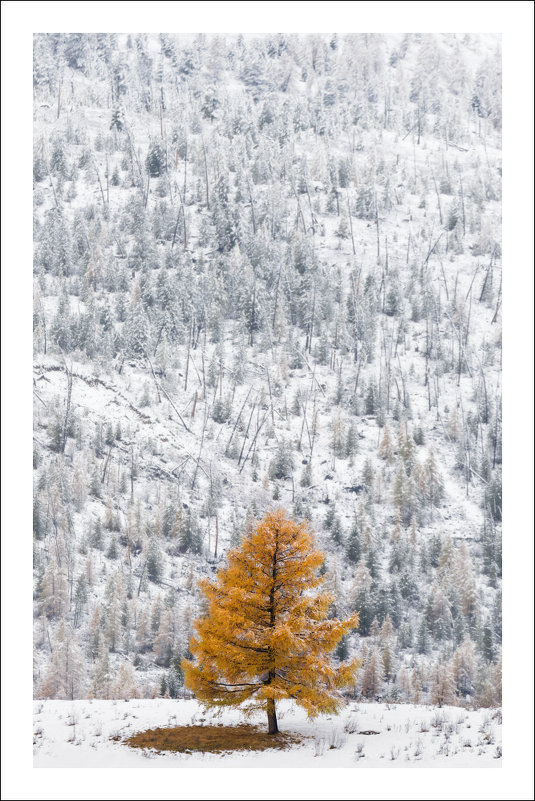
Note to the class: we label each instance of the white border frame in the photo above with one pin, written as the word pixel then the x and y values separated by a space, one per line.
pixel 515 21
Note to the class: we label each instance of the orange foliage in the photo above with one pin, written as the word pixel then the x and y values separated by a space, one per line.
pixel 266 635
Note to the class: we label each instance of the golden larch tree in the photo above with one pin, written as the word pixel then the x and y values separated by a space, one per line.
pixel 266 634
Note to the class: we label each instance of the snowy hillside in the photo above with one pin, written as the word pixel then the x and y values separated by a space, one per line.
pixel 268 272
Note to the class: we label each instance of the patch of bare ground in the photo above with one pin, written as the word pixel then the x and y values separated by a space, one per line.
pixel 211 739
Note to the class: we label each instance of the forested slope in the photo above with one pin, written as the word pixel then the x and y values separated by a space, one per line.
pixel 267 271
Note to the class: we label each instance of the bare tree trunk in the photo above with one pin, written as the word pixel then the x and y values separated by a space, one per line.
pixel 313 220
pixel 154 378
pixel 314 426
pixel 253 443
pixel 206 176
pixel 270 397
pixel 495 443
pixel 59 97
pixel 107 181
pixel 67 409
pixel 246 434
pixel 312 320
pixel 106 463
pixel 132 470
pixel 253 317
pixel 444 278
pixel 438 198
pixel 187 357
pixel 276 300
pixel 158 388
pixel 430 251
pixel 462 205
pixel 272 717
pixel 200 451
pixel 304 408
pixel 238 419
pixel 252 205
pixel 180 211
pixel 377 231
pixel 498 303
pixel 350 225
pixel 185 169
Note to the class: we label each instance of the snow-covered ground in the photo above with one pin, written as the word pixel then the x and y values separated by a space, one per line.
pixel 77 734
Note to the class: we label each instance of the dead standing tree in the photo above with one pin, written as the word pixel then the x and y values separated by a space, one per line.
pixel 66 418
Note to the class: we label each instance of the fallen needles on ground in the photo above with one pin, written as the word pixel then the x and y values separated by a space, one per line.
pixel 214 739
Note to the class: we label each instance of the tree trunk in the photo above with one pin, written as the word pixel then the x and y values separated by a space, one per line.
pixel 272 717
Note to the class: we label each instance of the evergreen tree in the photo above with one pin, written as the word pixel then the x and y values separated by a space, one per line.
pixel 433 483
pixel 117 119
pixel 493 497
pixel 282 464
pixel 363 598
pixel 156 160
pixel 487 643
pixel 353 544
pixel 154 562
pixel 423 638
pixel 189 537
